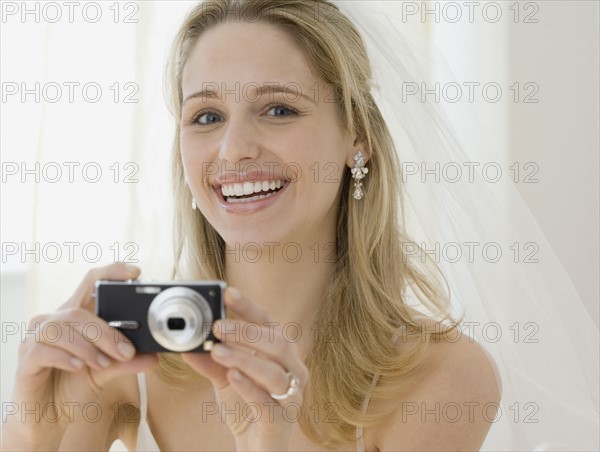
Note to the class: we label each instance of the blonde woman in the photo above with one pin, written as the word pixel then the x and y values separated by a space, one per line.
pixel 287 188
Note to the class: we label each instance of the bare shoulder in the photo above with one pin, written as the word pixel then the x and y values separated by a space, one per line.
pixel 465 362
pixel 453 404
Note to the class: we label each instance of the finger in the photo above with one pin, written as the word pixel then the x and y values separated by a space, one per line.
pixel 117 271
pixel 206 366
pixel 29 342
pixel 95 330
pixel 268 375
pixel 246 308
pixel 247 389
pixel 267 340
pixel 75 344
pixel 43 357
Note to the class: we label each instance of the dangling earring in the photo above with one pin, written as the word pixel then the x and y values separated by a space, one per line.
pixel 194 205
pixel 358 172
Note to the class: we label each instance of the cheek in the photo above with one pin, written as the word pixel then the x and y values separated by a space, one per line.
pixel 189 148
pixel 324 160
pixel 193 158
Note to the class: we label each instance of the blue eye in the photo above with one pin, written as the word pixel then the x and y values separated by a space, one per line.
pixel 282 109
pixel 210 116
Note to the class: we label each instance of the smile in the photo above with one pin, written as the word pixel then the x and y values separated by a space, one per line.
pixel 248 196
pixel 250 191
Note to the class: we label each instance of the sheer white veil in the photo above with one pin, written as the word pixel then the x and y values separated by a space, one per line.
pixel 522 306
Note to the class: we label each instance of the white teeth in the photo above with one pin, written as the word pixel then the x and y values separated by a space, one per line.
pixel 248 188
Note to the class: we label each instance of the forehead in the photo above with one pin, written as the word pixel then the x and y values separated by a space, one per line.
pixel 244 53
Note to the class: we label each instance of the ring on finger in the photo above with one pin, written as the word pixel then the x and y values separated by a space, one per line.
pixel 293 387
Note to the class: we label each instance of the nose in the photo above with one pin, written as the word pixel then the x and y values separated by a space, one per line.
pixel 238 141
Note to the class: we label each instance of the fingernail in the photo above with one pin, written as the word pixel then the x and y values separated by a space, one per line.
pixel 131 268
pixel 76 363
pixel 127 350
pixel 221 351
pixel 103 361
pixel 235 294
pixel 236 375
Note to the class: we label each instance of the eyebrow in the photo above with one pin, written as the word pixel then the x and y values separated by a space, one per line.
pixel 258 92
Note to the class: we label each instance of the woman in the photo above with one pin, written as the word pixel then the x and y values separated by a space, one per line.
pixel 287 187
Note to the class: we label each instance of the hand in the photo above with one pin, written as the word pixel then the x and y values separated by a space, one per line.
pixel 63 365
pixel 249 371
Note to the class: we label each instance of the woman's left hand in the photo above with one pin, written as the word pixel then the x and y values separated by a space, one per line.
pixel 258 361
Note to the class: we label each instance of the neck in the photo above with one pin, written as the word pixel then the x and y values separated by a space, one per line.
pixel 288 280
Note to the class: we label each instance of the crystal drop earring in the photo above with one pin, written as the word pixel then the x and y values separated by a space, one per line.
pixel 359 172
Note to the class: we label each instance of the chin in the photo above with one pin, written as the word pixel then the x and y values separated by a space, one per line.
pixel 253 238
pixel 273 242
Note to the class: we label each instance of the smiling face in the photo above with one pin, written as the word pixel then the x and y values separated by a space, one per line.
pixel 264 164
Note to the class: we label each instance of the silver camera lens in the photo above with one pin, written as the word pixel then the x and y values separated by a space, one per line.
pixel 179 319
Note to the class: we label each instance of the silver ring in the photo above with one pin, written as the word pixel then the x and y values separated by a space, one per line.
pixel 294 385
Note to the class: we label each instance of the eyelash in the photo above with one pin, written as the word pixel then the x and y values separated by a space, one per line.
pixel 201 113
pixel 287 107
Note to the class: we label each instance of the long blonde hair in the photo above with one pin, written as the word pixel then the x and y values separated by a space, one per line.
pixel 366 298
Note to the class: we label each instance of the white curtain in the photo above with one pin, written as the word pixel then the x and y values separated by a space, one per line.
pixel 85 149
pixel 102 159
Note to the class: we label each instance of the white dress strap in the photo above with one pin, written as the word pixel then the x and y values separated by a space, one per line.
pixel 360 440
pixel 145 440
pixel 141 378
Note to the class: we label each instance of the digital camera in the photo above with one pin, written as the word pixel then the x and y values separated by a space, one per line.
pixel 175 316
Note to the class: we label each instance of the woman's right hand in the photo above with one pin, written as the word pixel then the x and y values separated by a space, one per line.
pixel 67 363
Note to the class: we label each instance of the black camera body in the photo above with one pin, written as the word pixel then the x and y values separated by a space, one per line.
pixel 174 316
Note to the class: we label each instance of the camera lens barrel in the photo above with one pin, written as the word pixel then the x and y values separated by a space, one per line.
pixel 179 319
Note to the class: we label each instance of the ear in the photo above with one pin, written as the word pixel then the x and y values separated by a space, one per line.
pixel 359 145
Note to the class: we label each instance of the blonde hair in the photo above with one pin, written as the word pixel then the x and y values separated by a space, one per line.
pixel 367 296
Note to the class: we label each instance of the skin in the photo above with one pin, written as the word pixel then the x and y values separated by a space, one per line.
pixel 264 132
pixel 249 134
pixel 267 290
